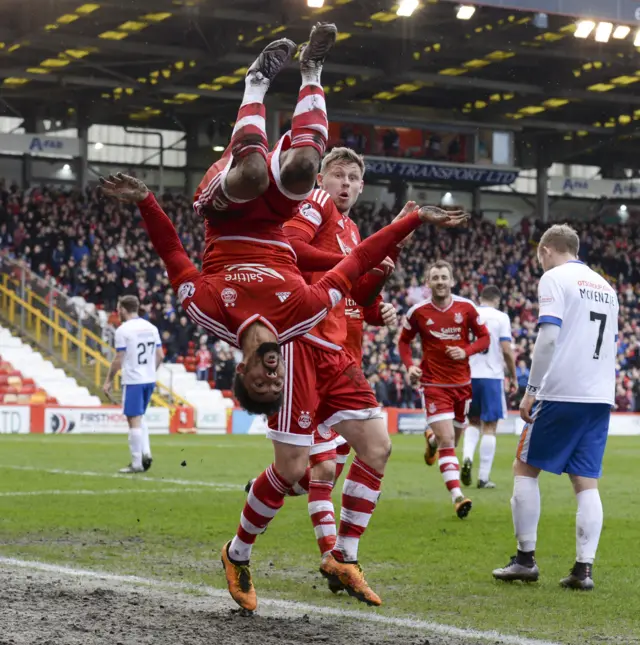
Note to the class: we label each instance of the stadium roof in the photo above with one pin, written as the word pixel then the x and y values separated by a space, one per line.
pixel 168 63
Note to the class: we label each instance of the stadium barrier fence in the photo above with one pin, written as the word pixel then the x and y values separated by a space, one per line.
pixel 108 419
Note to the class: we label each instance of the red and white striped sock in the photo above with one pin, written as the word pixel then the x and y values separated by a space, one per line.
pixel 265 499
pixel 322 514
pixel 450 469
pixel 309 126
pixel 342 452
pixel 301 487
pixel 249 134
pixel 359 498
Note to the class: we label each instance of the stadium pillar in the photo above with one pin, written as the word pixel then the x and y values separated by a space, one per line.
pixel 82 161
pixel 273 125
pixel 190 181
pixel 36 126
pixel 542 188
pixel 475 200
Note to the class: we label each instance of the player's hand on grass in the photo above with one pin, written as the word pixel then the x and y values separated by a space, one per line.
pixel 124 188
pixel 389 315
pixel 415 374
pixel 455 353
pixel 526 406
pixel 442 218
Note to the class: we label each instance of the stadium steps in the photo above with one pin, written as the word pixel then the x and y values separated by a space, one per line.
pixel 27 377
pixel 82 375
pixel 67 344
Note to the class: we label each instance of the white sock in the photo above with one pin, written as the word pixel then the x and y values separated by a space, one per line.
pixel 146 445
pixel 239 551
pixel 311 75
pixel 471 438
pixel 487 453
pixel 433 440
pixel 135 446
pixel 525 508
pixel 588 525
pixel 455 494
pixel 255 88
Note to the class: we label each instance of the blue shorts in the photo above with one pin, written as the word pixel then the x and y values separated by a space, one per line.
pixel 566 438
pixel 135 398
pixel 488 402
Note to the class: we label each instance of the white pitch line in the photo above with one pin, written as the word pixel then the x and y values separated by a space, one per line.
pixel 289 605
pixel 115 491
pixel 144 478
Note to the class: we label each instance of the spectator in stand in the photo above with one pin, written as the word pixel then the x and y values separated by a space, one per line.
pixel 205 360
pixel 115 256
pixel 623 400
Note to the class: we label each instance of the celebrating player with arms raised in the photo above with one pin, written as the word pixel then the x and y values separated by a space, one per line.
pixel 444 323
pixel 572 385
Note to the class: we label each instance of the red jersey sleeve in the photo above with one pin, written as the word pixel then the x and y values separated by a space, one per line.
pixel 303 228
pixel 409 332
pixel 480 331
pixel 372 314
pixel 310 217
pixel 166 242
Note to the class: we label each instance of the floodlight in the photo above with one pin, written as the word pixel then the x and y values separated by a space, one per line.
pixel 407 7
pixel 465 11
pixel 99 145
pixel 584 28
pixel 621 31
pixel 603 32
pixel 218 148
pixel 315 4
pixel 636 42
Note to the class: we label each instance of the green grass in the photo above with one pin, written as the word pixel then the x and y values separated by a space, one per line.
pixel 422 560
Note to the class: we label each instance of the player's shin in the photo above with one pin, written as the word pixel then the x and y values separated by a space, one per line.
pixel 450 470
pixel 470 442
pixel 309 126
pixel 525 508
pixel 342 455
pixel 264 500
pixel 135 447
pixel 322 514
pixel 589 519
pixel 360 495
pixel 487 454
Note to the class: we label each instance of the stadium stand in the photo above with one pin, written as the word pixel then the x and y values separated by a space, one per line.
pixel 107 254
pixel 37 380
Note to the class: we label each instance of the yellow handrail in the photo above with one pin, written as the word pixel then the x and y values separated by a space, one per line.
pixel 64 339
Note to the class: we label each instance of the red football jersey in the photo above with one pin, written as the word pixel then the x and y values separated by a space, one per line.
pixel 225 301
pixel 262 218
pixel 328 230
pixel 439 329
pixel 356 317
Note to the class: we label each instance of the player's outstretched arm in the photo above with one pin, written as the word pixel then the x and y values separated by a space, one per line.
pixel 161 230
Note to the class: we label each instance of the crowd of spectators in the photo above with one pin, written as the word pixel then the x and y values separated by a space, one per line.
pixel 99 250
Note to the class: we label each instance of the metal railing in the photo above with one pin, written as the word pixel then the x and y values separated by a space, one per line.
pixel 55 330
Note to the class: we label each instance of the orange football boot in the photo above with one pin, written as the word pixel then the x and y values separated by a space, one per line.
pixel 463 507
pixel 239 581
pixel 430 453
pixel 352 578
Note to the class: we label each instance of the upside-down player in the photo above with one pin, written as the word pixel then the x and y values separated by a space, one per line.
pixel 488 404
pixel 444 323
pixel 258 317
